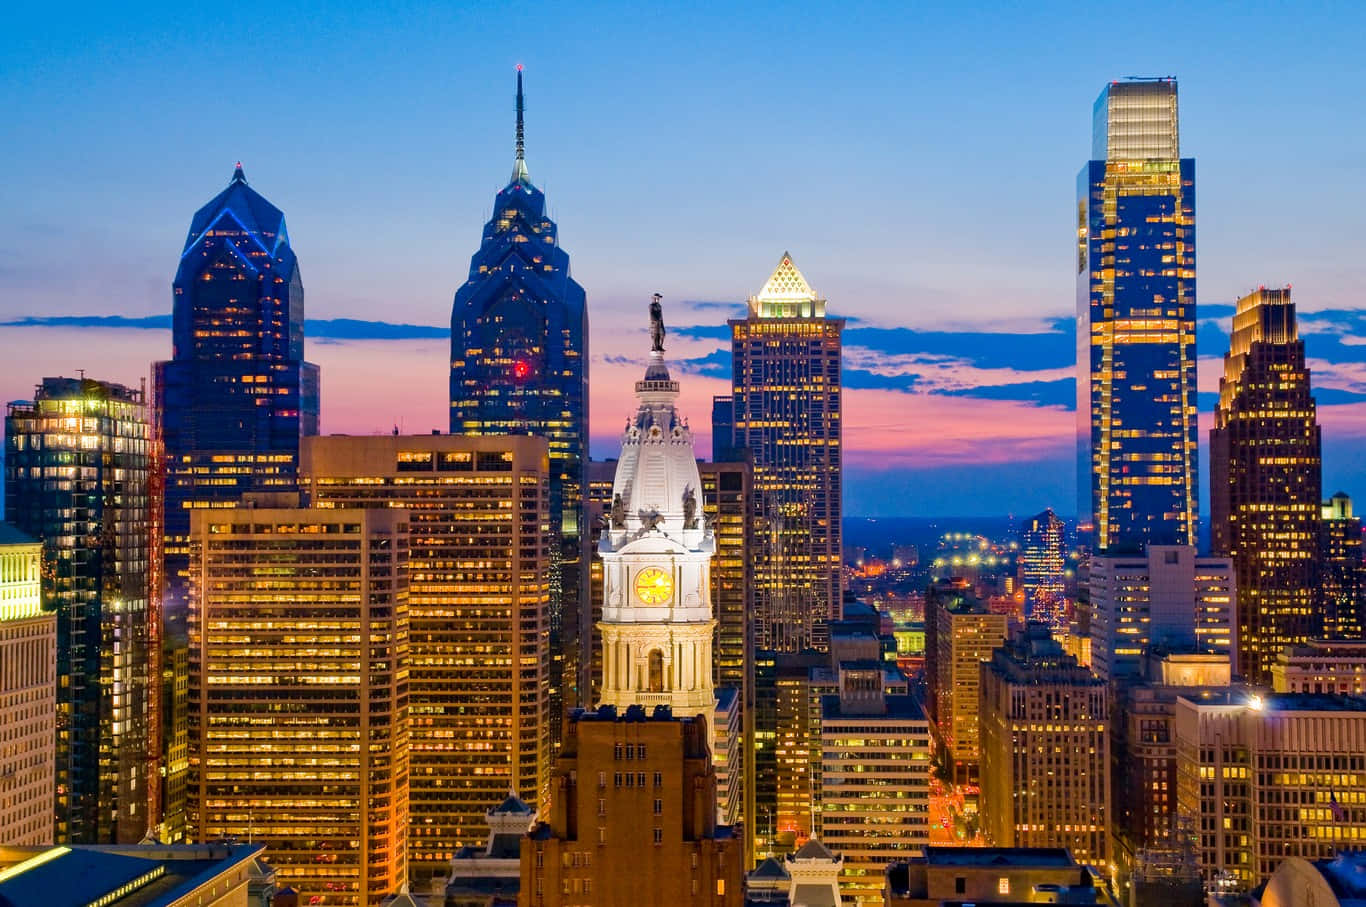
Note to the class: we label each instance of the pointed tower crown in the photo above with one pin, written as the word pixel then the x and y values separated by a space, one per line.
pixel 786 295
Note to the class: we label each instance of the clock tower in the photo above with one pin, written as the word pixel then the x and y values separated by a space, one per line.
pixel 656 554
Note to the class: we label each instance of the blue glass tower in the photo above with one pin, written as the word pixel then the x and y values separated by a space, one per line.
pixel 519 365
pixel 237 395
pixel 1136 403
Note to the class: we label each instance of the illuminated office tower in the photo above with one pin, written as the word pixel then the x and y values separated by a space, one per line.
pixel 966 633
pixel 478 602
pixel 1343 577
pixel 1136 406
pixel 874 789
pixel 1266 480
pixel 785 374
pixel 76 477
pixel 28 693
pixel 1043 560
pixel 1045 750
pixel 519 366
pixel 1167 598
pixel 298 641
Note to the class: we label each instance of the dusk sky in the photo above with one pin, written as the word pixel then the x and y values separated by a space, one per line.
pixel 919 163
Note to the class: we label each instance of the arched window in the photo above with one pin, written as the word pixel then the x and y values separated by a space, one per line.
pixel 656 671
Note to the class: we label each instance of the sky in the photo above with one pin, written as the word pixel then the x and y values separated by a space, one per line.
pixel 919 162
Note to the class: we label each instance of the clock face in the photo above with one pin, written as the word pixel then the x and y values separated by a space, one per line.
pixel 654 586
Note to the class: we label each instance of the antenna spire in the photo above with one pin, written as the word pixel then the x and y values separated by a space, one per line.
pixel 519 171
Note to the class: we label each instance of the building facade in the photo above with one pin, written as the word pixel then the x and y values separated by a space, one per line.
pixel 1168 597
pixel 478 615
pixel 1045 750
pixel 1136 403
pixel 299 692
pixel 519 366
pixel 28 693
pixel 1343 570
pixel 1043 564
pixel 965 635
pixel 1266 481
pixel 76 477
pixel 785 373
pixel 875 779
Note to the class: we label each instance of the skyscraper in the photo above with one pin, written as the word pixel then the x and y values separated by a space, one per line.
pixel 299 692
pixel 229 408
pixel 1136 404
pixel 1043 559
pixel 519 366
pixel 1266 481
pixel 76 477
pixel 1344 570
pixel 785 375
pixel 478 600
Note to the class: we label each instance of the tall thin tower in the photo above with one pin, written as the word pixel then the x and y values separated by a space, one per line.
pixel 1136 404
pixel 519 366
pixel 785 375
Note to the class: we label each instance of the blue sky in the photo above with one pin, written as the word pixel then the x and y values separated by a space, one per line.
pixel 919 163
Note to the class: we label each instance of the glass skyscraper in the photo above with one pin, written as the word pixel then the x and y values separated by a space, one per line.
pixel 1136 394
pixel 234 399
pixel 519 366
pixel 77 459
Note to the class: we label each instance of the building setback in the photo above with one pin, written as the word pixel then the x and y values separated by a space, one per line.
pixel 785 374
pixel 299 692
pixel 478 612
pixel 1266 481
pixel 76 476
pixel 1136 403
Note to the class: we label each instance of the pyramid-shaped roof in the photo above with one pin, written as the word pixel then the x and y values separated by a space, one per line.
pixel 787 284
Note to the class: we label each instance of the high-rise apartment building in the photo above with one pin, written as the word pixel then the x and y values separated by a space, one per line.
pixel 1168 597
pixel 1043 565
pixel 478 602
pixel 1136 403
pixel 966 633
pixel 875 779
pixel 519 366
pixel 1343 570
pixel 229 408
pixel 785 374
pixel 1265 778
pixel 28 693
pixel 299 692
pixel 77 459
pixel 633 818
pixel 1266 481
pixel 1045 749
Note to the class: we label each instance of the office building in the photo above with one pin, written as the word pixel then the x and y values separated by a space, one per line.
pixel 76 477
pixel 1043 561
pixel 478 616
pixel 1266 481
pixel 785 368
pixel 28 693
pixel 1045 750
pixel 951 876
pixel 874 791
pixel 1264 778
pixel 1167 597
pixel 657 622
pixel 201 875
pixel 1321 666
pixel 298 696
pixel 519 366
pixel 633 818
pixel 1136 393
pixel 965 635
pixel 1342 575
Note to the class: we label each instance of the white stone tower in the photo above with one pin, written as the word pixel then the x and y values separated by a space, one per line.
pixel 656 559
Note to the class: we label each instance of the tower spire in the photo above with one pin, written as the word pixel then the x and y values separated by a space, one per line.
pixel 519 171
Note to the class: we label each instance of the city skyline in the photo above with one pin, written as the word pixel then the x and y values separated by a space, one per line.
pixel 987 358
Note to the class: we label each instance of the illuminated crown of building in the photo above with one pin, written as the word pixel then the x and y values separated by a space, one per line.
pixel 656 551
pixel 787 295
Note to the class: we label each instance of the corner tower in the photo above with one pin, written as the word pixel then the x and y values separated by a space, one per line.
pixel 656 554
